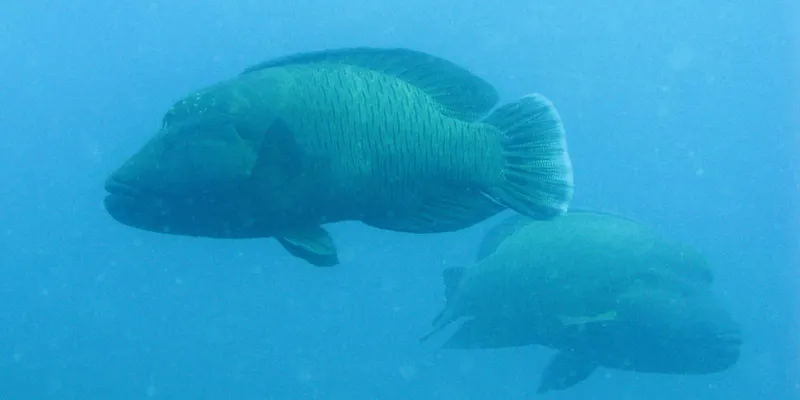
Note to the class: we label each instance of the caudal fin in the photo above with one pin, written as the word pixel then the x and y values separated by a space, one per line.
pixel 537 177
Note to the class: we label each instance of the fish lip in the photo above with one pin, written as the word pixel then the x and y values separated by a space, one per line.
pixel 125 199
pixel 729 340
pixel 727 347
pixel 115 187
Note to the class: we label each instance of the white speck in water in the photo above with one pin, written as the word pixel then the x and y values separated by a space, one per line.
pixel 93 151
pixel 681 57
pixel 304 375
pixel 408 372
pixel 663 111
pixel 700 172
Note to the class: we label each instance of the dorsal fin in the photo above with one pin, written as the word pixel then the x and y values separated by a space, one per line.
pixel 460 92
pixel 507 227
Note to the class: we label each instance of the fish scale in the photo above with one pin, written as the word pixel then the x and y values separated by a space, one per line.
pixel 367 142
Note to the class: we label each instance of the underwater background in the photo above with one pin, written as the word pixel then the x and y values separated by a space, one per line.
pixel 683 115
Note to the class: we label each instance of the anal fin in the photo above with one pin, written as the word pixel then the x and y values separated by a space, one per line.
pixel 485 334
pixel 313 244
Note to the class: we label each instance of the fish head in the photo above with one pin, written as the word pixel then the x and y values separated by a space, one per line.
pixel 190 178
pixel 666 332
pixel 204 154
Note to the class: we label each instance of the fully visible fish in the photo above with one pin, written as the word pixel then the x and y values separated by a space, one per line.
pixel 602 290
pixel 395 138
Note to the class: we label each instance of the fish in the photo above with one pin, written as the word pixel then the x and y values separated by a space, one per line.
pixel 600 289
pixel 395 138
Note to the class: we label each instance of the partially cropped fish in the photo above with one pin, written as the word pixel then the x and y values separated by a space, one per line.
pixel 395 138
pixel 602 290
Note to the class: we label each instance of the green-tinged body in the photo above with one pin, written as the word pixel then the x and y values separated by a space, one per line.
pixel 603 290
pixel 377 149
pixel 393 138
pixel 579 265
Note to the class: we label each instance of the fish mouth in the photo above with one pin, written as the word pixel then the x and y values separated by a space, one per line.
pixel 200 213
pixel 721 351
pixel 116 188
pixel 142 207
pixel 728 343
pixel 131 206
pixel 121 198
pixel 730 339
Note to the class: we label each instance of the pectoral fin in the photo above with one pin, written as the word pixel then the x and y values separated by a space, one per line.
pixel 566 369
pixel 311 244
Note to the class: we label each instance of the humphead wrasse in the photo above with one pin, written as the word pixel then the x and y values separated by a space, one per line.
pixel 398 139
pixel 601 290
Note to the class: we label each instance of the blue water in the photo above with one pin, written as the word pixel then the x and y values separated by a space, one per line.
pixel 680 114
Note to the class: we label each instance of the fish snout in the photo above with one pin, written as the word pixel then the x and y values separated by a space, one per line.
pixel 722 349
